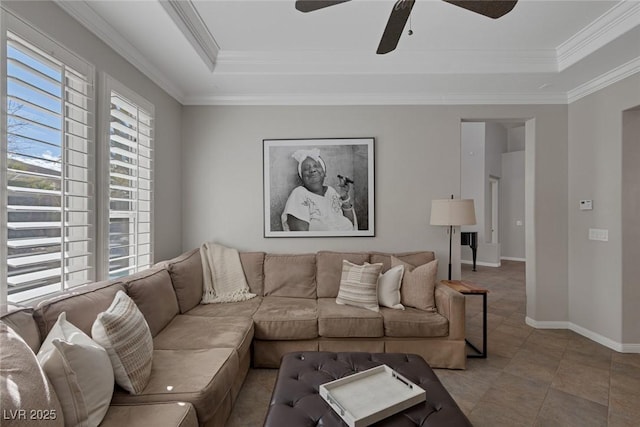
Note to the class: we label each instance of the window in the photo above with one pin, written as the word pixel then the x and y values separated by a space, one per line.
pixel 46 165
pixel 128 234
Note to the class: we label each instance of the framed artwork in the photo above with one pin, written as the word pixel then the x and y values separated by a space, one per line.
pixel 319 187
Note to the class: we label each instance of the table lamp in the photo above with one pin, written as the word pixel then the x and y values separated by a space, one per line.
pixel 452 212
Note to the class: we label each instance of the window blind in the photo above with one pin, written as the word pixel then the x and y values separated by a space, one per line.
pixel 49 239
pixel 130 186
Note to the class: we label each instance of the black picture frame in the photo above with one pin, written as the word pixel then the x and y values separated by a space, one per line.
pixel 349 157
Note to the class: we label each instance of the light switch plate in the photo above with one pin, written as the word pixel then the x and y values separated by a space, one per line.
pixel 599 234
pixel 586 205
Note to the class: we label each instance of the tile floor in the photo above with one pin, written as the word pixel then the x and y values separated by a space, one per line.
pixel 532 377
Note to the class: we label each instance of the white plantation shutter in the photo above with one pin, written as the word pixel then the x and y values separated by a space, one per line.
pixel 48 227
pixel 130 182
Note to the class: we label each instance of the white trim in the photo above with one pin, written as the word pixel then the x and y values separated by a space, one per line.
pixel 510 258
pixel 82 12
pixel 621 18
pixel 600 339
pixel 380 99
pixel 4 212
pixel 610 77
pixel 184 14
pixel 482 263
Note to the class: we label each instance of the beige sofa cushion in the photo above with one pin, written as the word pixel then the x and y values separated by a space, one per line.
pixel 81 304
pixel 292 276
pixel 195 332
pixel 153 293
pixel 329 270
pixel 21 320
pixel 413 322
pixel 413 258
pixel 253 266
pixel 228 309
pixel 23 384
pixel 123 332
pixel 79 370
pixel 336 320
pixel 186 277
pixel 418 284
pixel 280 318
pixel 201 377
pixel 172 414
pixel 359 285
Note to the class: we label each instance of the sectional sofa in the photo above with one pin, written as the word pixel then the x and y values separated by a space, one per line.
pixel 202 353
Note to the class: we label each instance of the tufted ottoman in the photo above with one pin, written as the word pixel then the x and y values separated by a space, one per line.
pixel 296 402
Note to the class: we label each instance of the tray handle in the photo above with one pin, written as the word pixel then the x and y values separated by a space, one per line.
pixel 333 401
pixel 402 380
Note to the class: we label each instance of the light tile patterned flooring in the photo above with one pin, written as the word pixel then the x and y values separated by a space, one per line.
pixel 532 377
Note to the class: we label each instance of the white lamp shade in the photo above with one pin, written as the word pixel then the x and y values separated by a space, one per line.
pixel 453 212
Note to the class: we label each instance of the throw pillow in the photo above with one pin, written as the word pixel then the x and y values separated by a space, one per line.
pixel 23 383
pixel 124 333
pixel 418 284
pixel 80 372
pixel 389 287
pixel 359 285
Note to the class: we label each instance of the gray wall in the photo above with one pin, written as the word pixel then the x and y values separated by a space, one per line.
pixel 53 21
pixel 596 172
pixel 631 226
pixel 417 160
pixel 512 192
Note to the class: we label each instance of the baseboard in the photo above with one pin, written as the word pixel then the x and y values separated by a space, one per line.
pixel 510 258
pixel 482 263
pixel 600 339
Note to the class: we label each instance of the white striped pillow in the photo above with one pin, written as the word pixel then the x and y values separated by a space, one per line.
pixel 124 333
pixel 359 285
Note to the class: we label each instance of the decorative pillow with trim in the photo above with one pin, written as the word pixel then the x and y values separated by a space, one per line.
pixel 80 372
pixel 124 333
pixel 359 285
pixel 418 284
pixel 389 285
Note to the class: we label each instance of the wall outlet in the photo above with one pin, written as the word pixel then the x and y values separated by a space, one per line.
pixel 586 205
pixel 599 234
pixel 518 223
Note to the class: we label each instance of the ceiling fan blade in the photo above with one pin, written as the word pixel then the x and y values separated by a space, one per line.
pixel 490 8
pixel 395 26
pixel 311 5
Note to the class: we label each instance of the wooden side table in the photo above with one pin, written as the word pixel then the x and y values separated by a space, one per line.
pixel 470 288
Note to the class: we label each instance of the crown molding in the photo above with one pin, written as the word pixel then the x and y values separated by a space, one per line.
pixel 320 62
pixel 614 23
pixel 380 99
pixel 610 77
pixel 186 17
pixel 83 12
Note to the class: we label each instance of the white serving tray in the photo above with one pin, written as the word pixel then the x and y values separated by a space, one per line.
pixel 369 396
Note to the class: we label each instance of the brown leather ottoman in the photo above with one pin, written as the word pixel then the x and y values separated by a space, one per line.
pixel 296 402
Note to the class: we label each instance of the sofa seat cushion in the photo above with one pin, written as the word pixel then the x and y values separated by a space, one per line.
pixel 233 309
pixel 413 322
pixel 195 332
pixel 173 414
pixel 281 318
pixel 335 320
pixel 200 377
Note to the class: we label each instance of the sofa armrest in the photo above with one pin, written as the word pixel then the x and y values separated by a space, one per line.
pixel 451 304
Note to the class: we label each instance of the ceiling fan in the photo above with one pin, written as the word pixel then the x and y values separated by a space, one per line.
pixel 402 9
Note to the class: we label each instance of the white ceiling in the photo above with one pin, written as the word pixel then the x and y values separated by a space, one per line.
pixel 267 52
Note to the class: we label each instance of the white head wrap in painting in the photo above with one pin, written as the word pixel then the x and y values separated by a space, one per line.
pixel 314 154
